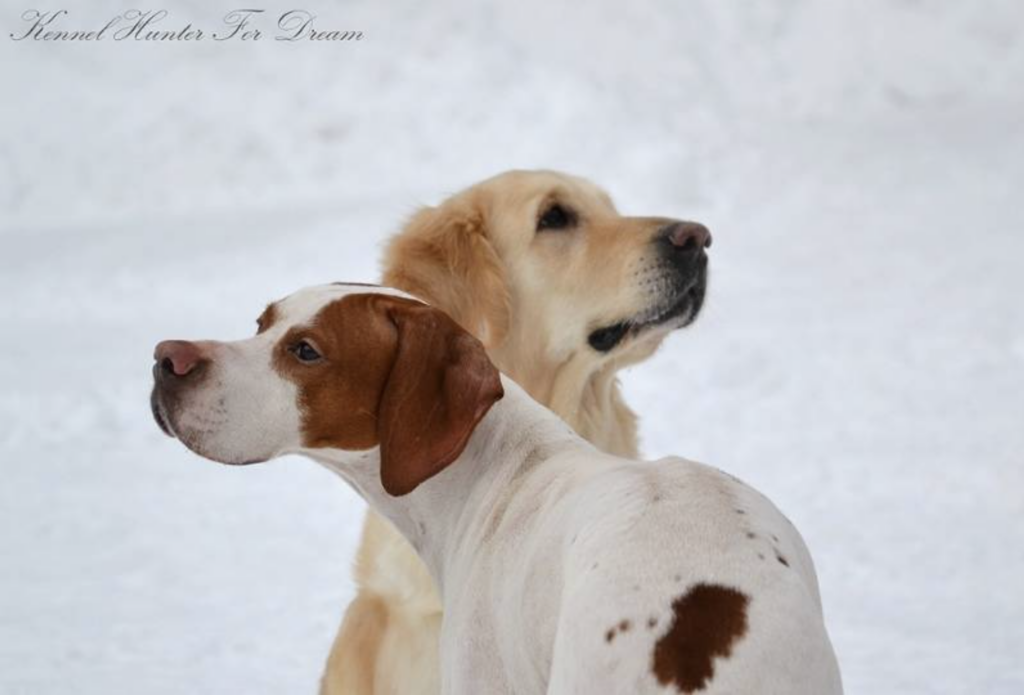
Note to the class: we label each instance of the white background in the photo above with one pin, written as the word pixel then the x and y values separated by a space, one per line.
pixel 861 358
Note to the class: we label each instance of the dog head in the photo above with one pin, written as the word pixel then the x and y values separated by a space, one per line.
pixel 545 259
pixel 332 367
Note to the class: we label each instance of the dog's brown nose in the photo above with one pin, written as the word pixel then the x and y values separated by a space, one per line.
pixel 177 357
pixel 688 235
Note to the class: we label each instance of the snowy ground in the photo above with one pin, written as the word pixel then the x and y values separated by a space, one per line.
pixel 861 359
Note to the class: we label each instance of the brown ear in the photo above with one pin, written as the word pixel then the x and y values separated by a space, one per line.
pixel 440 387
pixel 444 256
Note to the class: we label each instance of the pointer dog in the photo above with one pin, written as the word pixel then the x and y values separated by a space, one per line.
pixel 561 569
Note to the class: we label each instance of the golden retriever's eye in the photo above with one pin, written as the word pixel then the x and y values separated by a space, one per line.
pixel 556 217
pixel 304 352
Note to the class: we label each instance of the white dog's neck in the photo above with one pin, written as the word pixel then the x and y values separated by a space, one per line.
pixel 581 390
pixel 435 517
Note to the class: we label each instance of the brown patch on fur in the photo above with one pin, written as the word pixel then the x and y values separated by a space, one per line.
pixel 395 373
pixel 623 626
pixel 266 319
pixel 652 623
pixel 708 620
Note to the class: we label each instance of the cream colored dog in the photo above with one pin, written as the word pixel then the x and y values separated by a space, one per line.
pixel 563 570
pixel 564 292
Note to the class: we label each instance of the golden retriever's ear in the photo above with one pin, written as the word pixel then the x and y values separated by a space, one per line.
pixel 444 256
pixel 440 386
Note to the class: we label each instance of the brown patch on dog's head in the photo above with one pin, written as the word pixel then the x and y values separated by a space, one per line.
pixel 266 319
pixel 707 622
pixel 391 372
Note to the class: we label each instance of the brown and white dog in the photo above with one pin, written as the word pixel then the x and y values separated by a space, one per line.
pixel 564 292
pixel 562 569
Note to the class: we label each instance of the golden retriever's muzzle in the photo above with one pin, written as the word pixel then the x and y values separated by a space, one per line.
pixel 676 286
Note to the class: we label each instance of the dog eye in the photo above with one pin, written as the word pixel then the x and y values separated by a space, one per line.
pixel 305 352
pixel 556 217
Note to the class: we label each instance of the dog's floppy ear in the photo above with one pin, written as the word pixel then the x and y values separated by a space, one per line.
pixel 444 256
pixel 440 386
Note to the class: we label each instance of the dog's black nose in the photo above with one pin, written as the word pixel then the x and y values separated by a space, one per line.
pixel 687 236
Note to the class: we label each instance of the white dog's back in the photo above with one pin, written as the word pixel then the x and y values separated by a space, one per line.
pixel 645 577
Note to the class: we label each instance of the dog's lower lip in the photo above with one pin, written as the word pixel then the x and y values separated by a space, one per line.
pixel 606 338
pixel 158 415
pixel 676 308
pixel 162 424
pixel 247 462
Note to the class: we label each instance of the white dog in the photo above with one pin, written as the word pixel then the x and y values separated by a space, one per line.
pixel 562 569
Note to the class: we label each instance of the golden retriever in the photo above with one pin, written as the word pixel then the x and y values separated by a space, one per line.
pixel 564 292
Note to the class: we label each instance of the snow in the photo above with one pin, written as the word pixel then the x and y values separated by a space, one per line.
pixel 861 358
